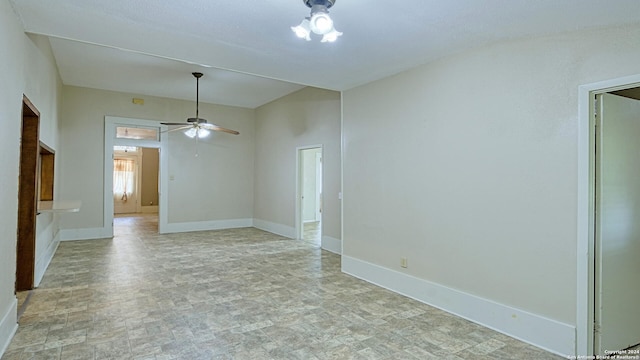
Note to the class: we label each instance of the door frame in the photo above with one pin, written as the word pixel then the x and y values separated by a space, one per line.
pixel 585 252
pixel 110 124
pixel 27 197
pixel 299 180
pixel 319 165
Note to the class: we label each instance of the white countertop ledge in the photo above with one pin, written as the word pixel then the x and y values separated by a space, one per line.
pixel 59 206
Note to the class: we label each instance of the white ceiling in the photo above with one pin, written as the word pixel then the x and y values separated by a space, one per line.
pixel 250 57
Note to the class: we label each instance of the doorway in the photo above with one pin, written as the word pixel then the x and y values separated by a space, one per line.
pixel 143 142
pixel 309 194
pixel 135 189
pixel 27 197
pixel 617 221
pixel 586 208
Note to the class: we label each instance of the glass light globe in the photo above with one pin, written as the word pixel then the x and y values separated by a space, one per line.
pixel 302 31
pixel 192 132
pixel 331 36
pixel 203 133
pixel 321 23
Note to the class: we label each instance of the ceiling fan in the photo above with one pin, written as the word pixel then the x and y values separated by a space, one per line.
pixel 198 127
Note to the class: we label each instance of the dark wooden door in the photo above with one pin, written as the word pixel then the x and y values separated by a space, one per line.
pixel 27 198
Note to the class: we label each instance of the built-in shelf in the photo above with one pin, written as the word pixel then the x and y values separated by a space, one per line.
pixel 59 206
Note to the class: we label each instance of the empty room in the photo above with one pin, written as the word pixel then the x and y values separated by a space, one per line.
pixel 319 179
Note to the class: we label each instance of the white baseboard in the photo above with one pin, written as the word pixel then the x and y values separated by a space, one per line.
pixel 332 244
pixel 84 234
pixel 8 325
pixel 278 229
pixel 208 225
pixel 548 334
pixel 149 209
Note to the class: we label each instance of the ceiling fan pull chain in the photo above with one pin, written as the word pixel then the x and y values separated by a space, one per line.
pixel 196 145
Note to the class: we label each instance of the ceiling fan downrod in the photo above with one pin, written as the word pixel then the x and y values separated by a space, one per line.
pixel 197 75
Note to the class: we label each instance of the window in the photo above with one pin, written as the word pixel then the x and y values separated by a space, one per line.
pixel 123 178
pixel 137 133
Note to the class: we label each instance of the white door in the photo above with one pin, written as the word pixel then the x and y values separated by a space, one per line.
pixel 125 179
pixel 311 184
pixel 617 307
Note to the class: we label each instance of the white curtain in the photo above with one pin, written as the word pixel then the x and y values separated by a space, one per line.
pixel 123 179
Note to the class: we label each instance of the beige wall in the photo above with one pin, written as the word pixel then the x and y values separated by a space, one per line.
pixel 307 117
pixel 149 177
pixel 468 167
pixel 11 76
pixel 27 68
pixel 215 185
pixel 218 183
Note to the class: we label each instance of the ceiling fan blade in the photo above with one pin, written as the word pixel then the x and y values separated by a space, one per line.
pixel 175 123
pixel 178 128
pixel 215 127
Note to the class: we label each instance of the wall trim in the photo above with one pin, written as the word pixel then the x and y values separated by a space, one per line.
pixel 85 234
pixel 8 325
pixel 545 333
pixel 332 244
pixel 208 225
pixel 278 229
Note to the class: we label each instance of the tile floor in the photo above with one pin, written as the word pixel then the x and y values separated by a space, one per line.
pixel 311 232
pixel 231 294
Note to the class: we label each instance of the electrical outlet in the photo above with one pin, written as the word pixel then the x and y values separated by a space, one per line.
pixel 403 262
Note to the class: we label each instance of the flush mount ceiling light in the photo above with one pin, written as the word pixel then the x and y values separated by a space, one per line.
pixel 319 22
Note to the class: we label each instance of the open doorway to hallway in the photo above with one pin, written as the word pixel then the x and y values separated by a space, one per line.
pixel 123 135
pixel 309 208
pixel 135 188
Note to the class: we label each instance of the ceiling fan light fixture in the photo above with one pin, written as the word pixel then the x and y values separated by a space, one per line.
pixel 319 22
pixel 200 132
